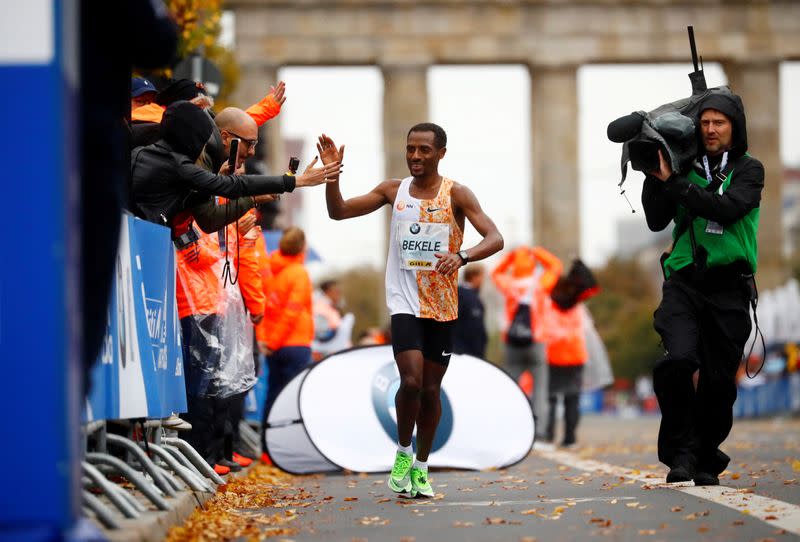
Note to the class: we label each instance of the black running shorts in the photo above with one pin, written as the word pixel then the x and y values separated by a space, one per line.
pixel 434 339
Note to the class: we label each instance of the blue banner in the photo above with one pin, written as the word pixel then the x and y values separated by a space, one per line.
pixel 257 396
pixel 139 372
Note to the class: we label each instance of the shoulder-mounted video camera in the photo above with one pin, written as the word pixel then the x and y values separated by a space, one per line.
pixel 670 127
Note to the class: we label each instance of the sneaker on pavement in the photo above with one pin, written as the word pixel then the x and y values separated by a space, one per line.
pixel 242 460
pixel 219 469
pixel 419 483
pixel 400 478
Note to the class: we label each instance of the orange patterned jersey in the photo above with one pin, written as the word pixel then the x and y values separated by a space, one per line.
pixel 420 228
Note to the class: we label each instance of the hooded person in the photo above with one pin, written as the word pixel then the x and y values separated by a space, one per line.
pixel 164 176
pixel 704 318
pixel 563 319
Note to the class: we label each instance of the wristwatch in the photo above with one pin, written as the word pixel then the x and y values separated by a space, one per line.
pixel 464 256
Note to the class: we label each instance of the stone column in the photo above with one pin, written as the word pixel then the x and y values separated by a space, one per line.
pixel 554 142
pixel 405 103
pixel 757 83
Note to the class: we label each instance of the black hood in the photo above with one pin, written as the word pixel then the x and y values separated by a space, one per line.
pixel 731 105
pixel 576 286
pixel 186 128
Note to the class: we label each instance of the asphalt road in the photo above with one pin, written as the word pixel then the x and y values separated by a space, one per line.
pixel 608 488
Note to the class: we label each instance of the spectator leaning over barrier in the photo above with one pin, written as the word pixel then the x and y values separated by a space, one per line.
pixel 523 277
pixel 291 328
pixel 164 175
pixel 470 334
pixel 144 117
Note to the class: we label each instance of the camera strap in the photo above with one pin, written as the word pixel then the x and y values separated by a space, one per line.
pixel 714 185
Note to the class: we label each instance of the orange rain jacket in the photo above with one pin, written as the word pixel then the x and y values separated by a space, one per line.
pixel 198 284
pixel 265 269
pixel 562 331
pixel 151 112
pixel 246 260
pixel 261 112
pixel 513 276
pixel 289 303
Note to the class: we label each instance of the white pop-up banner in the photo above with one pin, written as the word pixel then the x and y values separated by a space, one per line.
pixel 341 414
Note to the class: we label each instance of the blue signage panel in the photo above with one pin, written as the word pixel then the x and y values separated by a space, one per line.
pixel 139 372
pixel 39 281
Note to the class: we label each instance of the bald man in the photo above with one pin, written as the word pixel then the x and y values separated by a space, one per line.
pixel 235 123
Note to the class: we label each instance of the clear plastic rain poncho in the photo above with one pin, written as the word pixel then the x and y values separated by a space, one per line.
pixel 217 331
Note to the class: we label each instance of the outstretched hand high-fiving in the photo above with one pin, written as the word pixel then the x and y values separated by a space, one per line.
pixel 314 176
pixel 328 151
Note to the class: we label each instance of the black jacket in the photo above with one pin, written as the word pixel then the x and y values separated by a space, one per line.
pixel 165 179
pixel 162 181
pixel 470 333
pixel 660 199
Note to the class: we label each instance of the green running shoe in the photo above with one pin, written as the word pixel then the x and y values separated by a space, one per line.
pixel 419 483
pixel 400 479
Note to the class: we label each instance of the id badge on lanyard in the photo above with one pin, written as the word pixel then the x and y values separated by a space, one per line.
pixel 419 242
pixel 713 227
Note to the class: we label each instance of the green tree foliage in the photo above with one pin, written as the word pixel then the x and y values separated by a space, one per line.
pixel 198 31
pixel 623 314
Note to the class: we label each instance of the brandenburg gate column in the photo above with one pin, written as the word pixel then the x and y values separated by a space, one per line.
pixel 757 82
pixel 554 151
pixel 405 103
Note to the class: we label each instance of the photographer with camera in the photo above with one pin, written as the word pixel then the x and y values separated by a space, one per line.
pixel 704 318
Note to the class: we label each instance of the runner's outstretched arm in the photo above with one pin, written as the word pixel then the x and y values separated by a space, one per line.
pixel 338 207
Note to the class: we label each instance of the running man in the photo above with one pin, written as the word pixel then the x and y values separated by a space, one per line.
pixel 428 212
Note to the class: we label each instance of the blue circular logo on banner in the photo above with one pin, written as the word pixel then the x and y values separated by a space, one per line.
pixel 385 384
pixel 414 228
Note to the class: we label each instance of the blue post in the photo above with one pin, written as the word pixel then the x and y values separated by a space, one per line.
pixel 39 276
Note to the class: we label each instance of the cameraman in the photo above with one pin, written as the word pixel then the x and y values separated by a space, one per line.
pixel 704 318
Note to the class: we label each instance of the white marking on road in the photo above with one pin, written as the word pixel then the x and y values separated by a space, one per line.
pixel 778 513
pixel 527 502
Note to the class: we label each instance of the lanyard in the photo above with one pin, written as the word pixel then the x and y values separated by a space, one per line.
pixel 722 165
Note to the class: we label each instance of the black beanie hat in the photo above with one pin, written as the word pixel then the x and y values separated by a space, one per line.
pixel 186 128
pixel 179 89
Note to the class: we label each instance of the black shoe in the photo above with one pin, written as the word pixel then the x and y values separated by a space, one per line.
pixel 705 479
pixel 679 474
pixel 233 465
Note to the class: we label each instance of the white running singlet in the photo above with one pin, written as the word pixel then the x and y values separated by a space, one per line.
pixel 419 229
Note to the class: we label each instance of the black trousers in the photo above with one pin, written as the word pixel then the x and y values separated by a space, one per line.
pixel 206 411
pixel 704 327
pixel 566 381
pixel 235 414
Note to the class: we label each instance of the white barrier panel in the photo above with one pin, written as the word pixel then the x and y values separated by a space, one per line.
pixel 288 444
pixel 346 407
